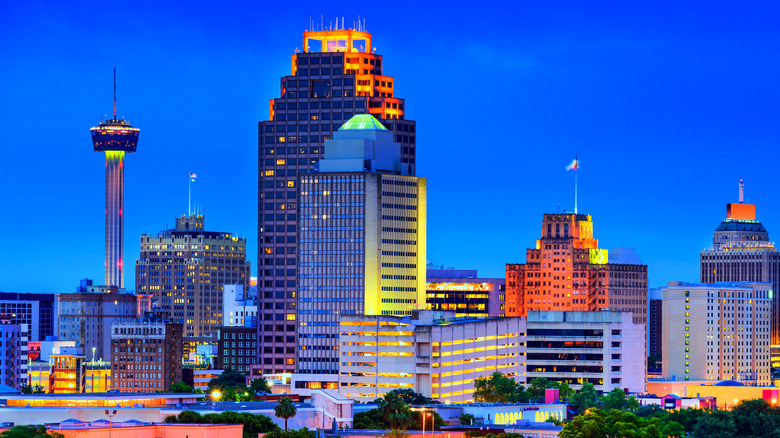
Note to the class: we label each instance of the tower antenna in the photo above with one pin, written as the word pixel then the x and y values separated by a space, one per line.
pixel 114 93
pixel 741 191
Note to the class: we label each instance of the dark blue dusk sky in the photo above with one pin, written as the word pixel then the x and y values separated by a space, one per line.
pixel 667 104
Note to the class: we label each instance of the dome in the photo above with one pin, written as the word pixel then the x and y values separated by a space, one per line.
pixel 363 121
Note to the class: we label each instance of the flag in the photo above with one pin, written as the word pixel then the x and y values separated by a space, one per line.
pixel 574 165
pixel 193 176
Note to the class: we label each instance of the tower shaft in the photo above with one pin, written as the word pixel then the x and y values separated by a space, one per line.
pixel 115 219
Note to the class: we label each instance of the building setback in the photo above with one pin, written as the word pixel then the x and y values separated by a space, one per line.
pixel 335 76
pixel 568 271
pixel 237 348
pixel 146 355
pixel 361 242
pixel 604 348
pixel 431 352
pixel 741 251
pixel 461 291
pixel 717 332
pixel 186 269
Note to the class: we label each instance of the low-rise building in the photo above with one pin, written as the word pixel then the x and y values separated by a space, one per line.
pixel 237 309
pixel 463 292
pixel 237 348
pixel 604 348
pixel 146 355
pixel 718 331
pixel 13 354
pixel 432 353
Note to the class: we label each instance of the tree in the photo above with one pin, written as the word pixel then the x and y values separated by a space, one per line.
pixel 466 419
pixel 498 388
pixel 688 418
pixel 228 379
pixel 260 385
pixel 651 411
pixel 31 389
pixel 292 433
pixel 433 421
pixel 597 423
pixel 394 411
pixel 371 419
pixel 756 418
pixel 617 400
pixel 537 386
pixel 718 424
pixel 564 391
pixel 585 398
pixel 253 424
pixel 38 431
pixel 181 388
pixel 412 398
pixel 285 409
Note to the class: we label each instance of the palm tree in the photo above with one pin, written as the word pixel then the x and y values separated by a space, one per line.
pixel 394 410
pixel 285 409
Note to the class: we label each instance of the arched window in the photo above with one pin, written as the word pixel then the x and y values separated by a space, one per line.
pixel 557 230
pixel 549 230
pixel 565 230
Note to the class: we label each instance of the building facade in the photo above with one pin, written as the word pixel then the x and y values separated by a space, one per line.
pixel 655 317
pixel 86 318
pixel 463 292
pixel 431 352
pixel 185 270
pixel 146 355
pixel 39 311
pixel 361 242
pixel 335 76
pixel 741 251
pixel 717 332
pixel 238 310
pixel 13 354
pixel 604 348
pixel 568 271
pixel 237 349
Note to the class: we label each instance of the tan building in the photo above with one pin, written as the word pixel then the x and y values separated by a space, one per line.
pixel 185 270
pixel 430 352
pixel 146 355
pixel 86 317
pixel 717 332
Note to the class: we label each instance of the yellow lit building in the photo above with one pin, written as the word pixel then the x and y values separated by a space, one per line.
pixel 463 292
pixel 432 353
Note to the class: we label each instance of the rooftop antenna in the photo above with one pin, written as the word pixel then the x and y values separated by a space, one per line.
pixel 741 191
pixel 114 93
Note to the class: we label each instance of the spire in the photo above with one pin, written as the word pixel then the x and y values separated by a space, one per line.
pixel 114 93
pixel 741 191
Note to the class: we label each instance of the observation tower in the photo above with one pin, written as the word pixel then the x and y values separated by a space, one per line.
pixel 115 137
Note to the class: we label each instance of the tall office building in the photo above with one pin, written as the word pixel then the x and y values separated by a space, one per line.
pixel 336 75
pixel 568 271
pixel 717 332
pixel 115 137
pixel 185 270
pixel 741 251
pixel 361 242
pixel 37 310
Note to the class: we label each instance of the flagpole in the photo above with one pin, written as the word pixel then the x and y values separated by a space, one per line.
pixel 189 194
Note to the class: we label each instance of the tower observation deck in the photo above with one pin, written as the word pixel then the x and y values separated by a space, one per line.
pixel 115 137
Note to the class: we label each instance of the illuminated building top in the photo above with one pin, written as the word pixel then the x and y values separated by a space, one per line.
pixel 363 121
pixel 114 134
pixel 740 230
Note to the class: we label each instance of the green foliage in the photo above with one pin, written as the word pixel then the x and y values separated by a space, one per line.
pixel 181 388
pixel 598 423
pixel 285 409
pixel 651 411
pixel 617 400
pixel 756 418
pixel 688 418
pixel 38 431
pixel 554 421
pixel 585 398
pixel 466 419
pixel 228 379
pixel 433 421
pixel 253 424
pixel 412 398
pixel 371 419
pixel 292 433
pixel 718 424
pixel 484 434
pixel 396 433
pixel 395 412
pixel 31 389
pixel 260 385
pixel 498 388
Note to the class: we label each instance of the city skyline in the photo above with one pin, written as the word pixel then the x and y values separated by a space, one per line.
pixel 653 119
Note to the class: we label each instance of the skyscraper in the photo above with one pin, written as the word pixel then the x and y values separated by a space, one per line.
pixel 186 269
pixel 336 75
pixel 741 251
pixel 115 137
pixel 568 271
pixel 361 243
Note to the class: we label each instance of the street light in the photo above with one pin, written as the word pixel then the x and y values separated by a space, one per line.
pixel 110 416
pixel 423 413
pixel 215 395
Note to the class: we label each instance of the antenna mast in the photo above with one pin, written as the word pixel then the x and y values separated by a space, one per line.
pixel 114 93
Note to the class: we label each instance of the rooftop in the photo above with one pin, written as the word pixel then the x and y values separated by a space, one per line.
pixel 363 121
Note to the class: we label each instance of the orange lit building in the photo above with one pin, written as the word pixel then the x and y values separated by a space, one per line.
pixel 568 271
pixel 337 74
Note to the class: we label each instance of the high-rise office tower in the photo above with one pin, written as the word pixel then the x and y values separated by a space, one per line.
pixel 186 269
pixel 335 76
pixel 568 271
pixel 115 137
pixel 741 251
pixel 361 243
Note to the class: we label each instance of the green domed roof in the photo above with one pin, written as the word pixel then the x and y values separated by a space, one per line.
pixel 363 121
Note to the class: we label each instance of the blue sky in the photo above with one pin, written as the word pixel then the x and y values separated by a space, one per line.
pixel 667 105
